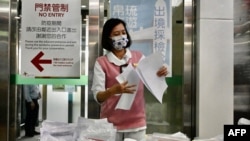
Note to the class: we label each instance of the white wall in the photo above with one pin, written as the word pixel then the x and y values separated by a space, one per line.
pixel 57 104
pixel 214 66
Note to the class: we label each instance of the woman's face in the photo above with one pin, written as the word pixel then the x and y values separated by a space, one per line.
pixel 118 30
pixel 119 37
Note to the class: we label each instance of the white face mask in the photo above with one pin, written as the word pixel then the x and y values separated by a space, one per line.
pixel 119 42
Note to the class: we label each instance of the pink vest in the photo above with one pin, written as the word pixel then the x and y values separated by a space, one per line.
pixel 122 119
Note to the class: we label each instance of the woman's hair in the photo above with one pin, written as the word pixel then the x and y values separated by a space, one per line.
pixel 107 29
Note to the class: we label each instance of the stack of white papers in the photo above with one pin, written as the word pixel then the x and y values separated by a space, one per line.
pixel 130 75
pixel 84 130
pixel 145 71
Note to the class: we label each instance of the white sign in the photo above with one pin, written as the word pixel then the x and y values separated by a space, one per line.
pixel 51 38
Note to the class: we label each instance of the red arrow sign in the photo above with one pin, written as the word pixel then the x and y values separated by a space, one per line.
pixel 36 61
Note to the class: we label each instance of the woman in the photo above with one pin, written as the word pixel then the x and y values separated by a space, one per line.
pixel 106 89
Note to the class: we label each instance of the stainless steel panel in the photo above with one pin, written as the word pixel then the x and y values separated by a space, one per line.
pixel 13 64
pixel 8 91
pixel 96 16
pixel 241 59
pixel 189 93
pixel 4 66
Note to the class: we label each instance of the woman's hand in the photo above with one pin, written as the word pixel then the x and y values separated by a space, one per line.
pixel 116 89
pixel 122 88
pixel 163 71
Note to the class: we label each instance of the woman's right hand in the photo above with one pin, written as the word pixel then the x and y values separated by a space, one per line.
pixel 123 88
pixel 116 89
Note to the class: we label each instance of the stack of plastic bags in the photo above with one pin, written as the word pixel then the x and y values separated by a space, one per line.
pixel 83 130
pixel 57 131
pixel 96 130
pixel 216 138
pixel 167 137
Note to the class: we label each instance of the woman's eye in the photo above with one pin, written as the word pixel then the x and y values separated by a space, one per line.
pixel 119 33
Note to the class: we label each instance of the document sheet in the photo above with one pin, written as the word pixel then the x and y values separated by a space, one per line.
pixel 146 71
pixel 130 75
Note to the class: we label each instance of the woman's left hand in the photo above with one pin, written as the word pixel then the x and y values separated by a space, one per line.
pixel 163 71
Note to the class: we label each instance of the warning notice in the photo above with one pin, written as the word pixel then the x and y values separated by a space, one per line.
pixel 50 38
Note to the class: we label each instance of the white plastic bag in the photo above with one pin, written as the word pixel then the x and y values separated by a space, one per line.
pixel 57 131
pixel 94 129
pixel 168 137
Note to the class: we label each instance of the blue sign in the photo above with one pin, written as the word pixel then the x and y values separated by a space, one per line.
pixel 149 23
